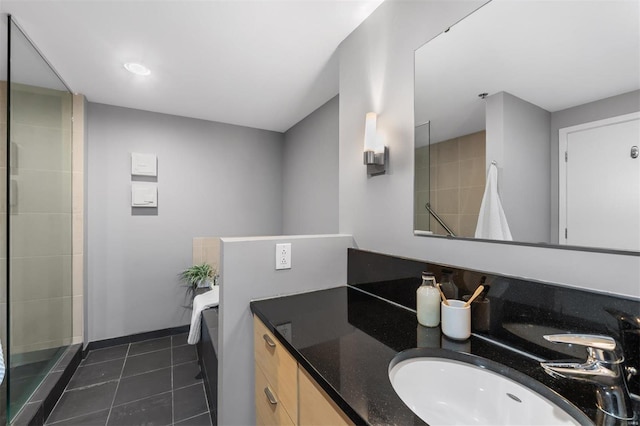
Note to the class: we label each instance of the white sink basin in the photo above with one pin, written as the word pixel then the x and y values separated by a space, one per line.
pixel 443 391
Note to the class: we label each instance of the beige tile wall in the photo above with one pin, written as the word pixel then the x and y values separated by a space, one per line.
pixel 3 217
pixel 207 250
pixel 421 188
pixel 77 209
pixel 47 307
pixel 46 221
pixel 451 175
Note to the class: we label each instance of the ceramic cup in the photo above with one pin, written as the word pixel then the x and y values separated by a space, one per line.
pixel 456 320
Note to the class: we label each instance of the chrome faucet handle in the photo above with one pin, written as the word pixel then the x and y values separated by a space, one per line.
pixel 604 367
pixel 600 348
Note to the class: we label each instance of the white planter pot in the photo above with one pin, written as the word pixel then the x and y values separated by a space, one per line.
pixel 206 283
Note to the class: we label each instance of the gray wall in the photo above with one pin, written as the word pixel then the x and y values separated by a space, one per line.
pixel 248 273
pixel 310 173
pixel 592 111
pixel 213 180
pixel 518 139
pixel 376 74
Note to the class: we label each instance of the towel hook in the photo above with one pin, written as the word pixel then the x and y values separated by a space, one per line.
pixel 494 162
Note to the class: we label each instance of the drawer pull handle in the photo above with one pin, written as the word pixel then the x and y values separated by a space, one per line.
pixel 269 341
pixel 272 399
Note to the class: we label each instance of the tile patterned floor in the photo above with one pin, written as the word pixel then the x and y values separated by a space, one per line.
pixel 153 382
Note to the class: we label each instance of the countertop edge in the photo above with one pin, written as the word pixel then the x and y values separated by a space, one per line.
pixel 330 391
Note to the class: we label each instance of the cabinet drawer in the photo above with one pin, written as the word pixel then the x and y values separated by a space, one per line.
pixel 269 408
pixel 278 366
pixel 316 408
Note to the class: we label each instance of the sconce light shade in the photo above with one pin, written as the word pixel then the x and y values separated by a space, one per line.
pixel 375 152
pixel 370 126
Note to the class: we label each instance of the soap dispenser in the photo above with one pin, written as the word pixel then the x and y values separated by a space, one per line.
pixel 428 301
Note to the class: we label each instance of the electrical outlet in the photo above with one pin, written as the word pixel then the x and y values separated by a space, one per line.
pixel 283 256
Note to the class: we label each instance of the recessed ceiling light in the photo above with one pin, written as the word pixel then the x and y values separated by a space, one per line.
pixel 137 69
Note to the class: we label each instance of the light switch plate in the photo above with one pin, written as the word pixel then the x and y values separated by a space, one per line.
pixel 144 194
pixel 144 164
pixel 283 256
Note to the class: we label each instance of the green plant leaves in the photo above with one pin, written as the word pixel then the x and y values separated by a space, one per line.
pixel 196 273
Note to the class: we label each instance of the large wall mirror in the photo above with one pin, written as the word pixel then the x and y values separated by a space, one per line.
pixel 542 100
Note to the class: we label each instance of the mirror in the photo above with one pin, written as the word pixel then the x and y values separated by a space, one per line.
pixel 524 85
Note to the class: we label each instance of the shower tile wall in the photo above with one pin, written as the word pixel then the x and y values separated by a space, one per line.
pixel 77 167
pixel 3 251
pixel 421 188
pixel 454 173
pixel 41 281
pixel 41 221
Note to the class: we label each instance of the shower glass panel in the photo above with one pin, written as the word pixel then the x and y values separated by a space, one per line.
pixel 38 201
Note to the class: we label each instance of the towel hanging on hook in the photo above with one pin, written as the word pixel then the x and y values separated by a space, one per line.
pixel 492 222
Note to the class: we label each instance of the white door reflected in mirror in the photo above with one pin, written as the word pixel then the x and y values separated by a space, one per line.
pixel 600 183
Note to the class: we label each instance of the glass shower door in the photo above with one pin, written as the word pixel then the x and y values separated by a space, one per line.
pixel 39 206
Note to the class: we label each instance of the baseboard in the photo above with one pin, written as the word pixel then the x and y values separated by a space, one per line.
pixel 132 338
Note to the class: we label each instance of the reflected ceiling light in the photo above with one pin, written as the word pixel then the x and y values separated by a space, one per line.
pixel 137 69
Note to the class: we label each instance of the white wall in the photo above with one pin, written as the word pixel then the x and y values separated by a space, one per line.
pixel 518 139
pixel 376 73
pixel 310 173
pixel 213 180
pixel 248 273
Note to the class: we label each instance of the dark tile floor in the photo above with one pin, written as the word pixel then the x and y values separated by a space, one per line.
pixel 153 382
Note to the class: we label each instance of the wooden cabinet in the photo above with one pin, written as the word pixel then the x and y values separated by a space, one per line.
pixel 276 378
pixel 285 393
pixel 269 410
pixel 316 408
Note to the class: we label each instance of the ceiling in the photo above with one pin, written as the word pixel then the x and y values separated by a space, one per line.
pixel 553 54
pixel 265 64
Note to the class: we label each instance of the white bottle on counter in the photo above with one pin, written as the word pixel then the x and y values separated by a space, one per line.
pixel 428 301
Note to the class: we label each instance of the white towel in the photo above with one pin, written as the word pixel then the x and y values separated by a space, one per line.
pixel 492 223
pixel 1 364
pixel 201 302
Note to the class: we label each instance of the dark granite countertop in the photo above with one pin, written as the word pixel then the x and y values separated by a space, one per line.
pixel 346 339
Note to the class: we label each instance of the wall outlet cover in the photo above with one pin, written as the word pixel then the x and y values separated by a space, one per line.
pixel 283 256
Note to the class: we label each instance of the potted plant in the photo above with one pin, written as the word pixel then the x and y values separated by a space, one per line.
pixel 199 276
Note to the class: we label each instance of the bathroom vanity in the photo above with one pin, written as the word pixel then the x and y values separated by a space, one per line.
pixel 342 342
pixel 286 394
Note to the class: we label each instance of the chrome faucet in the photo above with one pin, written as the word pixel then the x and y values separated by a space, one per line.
pixel 604 367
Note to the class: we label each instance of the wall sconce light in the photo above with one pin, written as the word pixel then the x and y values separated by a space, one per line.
pixel 376 154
